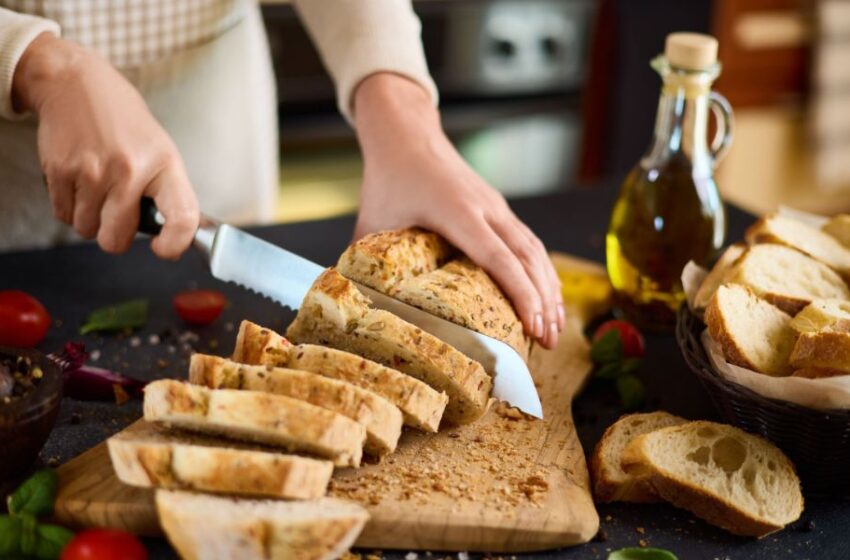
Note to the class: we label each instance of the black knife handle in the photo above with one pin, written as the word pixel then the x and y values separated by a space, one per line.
pixel 150 219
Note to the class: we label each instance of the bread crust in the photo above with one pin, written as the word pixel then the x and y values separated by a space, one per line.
pixel 813 242
pixel 824 354
pixel 252 340
pixel 379 416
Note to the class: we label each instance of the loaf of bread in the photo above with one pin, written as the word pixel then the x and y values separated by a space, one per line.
pixel 752 333
pixel 823 314
pixel 422 269
pixel 263 418
pixel 732 479
pixel 786 277
pixel 336 314
pixel 380 417
pixel 610 482
pixel 821 354
pixel 149 456
pixel 211 527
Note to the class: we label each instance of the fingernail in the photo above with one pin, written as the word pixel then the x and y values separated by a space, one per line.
pixel 561 316
pixel 553 334
pixel 538 325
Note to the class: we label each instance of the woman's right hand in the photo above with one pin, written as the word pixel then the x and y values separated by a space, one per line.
pixel 101 150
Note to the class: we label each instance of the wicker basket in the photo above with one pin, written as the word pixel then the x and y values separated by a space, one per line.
pixel 817 441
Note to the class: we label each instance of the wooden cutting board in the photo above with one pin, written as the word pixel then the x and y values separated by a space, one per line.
pixel 502 484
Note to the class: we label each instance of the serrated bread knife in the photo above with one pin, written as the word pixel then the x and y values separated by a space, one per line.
pixel 241 258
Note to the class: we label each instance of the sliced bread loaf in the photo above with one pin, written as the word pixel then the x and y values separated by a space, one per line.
pixel 839 228
pixel 252 340
pixel 148 455
pixel 610 482
pixel 334 313
pixel 803 237
pixel 263 418
pixel 730 478
pixel 205 527
pixel 821 354
pixel 721 270
pixel 421 269
pixel 786 277
pixel 752 333
pixel 380 417
pixel 823 314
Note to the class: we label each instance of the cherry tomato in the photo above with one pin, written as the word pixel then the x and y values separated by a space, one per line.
pixel 199 307
pixel 23 320
pixel 104 544
pixel 630 337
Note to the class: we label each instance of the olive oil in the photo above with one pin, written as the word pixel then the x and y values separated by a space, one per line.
pixel 669 209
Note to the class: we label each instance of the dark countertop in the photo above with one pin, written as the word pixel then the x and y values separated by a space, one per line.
pixel 71 281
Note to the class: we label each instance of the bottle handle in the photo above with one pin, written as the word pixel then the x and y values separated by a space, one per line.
pixel 722 140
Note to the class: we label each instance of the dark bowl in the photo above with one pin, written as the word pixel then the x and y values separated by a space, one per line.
pixel 26 422
pixel 816 441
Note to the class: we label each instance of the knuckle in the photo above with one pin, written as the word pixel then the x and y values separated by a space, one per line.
pixel 122 165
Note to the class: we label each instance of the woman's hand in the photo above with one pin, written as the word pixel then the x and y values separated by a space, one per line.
pixel 413 176
pixel 101 149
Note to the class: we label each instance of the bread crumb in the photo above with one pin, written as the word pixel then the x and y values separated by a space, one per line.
pixel 643 543
pixel 411 556
pixel 640 530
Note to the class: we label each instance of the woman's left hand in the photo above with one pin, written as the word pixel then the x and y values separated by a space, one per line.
pixel 413 176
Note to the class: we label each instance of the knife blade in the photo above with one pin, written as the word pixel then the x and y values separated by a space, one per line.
pixel 244 259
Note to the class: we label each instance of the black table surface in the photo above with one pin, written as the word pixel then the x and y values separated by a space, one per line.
pixel 71 281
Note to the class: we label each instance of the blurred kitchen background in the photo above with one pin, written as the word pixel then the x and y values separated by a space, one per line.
pixel 543 95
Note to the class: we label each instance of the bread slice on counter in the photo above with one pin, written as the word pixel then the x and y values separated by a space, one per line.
pixel 730 478
pixel 610 482
pixel 718 274
pixel 777 228
pixel 421 269
pixel 823 314
pixel 787 278
pixel 252 341
pixel 263 418
pixel 203 527
pixel 380 417
pixel 821 354
pixel 838 227
pixel 752 333
pixel 148 455
pixel 334 313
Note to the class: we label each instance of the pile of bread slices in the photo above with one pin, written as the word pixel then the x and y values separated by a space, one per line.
pixel 275 419
pixel 780 304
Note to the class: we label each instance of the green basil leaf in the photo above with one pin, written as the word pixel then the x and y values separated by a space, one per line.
pixel 609 348
pixel 36 495
pixel 128 315
pixel 635 553
pixel 630 365
pixel 29 535
pixel 52 539
pixel 631 391
pixel 10 536
pixel 609 371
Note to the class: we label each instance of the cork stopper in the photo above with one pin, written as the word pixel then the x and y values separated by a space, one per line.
pixel 691 51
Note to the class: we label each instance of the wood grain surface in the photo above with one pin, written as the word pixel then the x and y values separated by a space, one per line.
pixel 502 484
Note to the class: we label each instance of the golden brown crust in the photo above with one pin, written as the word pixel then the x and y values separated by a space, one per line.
pixel 419 268
pixel 253 339
pixel 824 352
pixel 716 323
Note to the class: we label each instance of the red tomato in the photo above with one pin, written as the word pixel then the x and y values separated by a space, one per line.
pixel 104 544
pixel 630 337
pixel 199 307
pixel 23 320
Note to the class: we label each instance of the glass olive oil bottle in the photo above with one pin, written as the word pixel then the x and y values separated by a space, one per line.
pixel 669 210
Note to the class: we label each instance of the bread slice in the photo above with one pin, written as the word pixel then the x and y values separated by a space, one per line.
pixel 380 417
pixel 421 269
pixel 732 479
pixel 823 314
pixel 827 353
pixel 148 455
pixel 334 313
pixel 610 482
pixel 259 417
pixel 838 227
pixel 252 340
pixel 752 333
pixel 781 229
pixel 787 278
pixel 719 272
pixel 202 527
